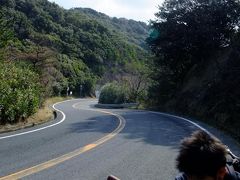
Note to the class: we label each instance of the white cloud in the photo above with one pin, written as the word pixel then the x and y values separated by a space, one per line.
pixel 142 10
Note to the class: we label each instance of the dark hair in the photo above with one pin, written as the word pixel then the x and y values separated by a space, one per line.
pixel 201 155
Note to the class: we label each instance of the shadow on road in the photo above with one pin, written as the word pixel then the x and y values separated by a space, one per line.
pixel 103 124
pixel 156 129
pixel 141 126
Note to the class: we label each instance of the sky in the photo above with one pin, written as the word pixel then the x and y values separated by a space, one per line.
pixel 140 10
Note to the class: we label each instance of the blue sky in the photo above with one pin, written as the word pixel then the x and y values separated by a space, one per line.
pixel 140 10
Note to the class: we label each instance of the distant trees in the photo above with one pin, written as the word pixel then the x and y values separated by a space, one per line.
pixel 77 74
pixel 6 32
pixel 62 49
pixel 184 35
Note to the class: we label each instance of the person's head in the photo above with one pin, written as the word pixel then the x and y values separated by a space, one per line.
pixel 202 156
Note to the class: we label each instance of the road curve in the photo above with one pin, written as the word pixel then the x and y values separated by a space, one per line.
pixel 93 143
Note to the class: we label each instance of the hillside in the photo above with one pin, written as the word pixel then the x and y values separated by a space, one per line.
pixel 67 49
pixel 135 31
pixel 80 35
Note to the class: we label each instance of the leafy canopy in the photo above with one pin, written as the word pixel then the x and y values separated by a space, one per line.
pixel 184 35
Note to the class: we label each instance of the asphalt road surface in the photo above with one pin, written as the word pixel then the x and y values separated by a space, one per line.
pixel 87 143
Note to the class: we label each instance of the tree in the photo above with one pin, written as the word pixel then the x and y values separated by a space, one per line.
pixel 113 93
pixel 8 3
pixel 6 33
pixel 137 80
pixel 184 35
pixel 20 92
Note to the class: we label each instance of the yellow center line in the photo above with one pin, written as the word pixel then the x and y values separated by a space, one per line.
pixel 65 157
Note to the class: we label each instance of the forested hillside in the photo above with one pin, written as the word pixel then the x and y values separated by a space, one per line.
pixel 60 49
pixel 197 65
pixel 46 50
pixel 136 32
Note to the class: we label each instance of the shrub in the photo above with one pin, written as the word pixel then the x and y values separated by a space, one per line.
pixel 19 93
pixel 112 93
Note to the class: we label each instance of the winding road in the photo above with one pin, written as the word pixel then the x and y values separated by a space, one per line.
pixel 87 143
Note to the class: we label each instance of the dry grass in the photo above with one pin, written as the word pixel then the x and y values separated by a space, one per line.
pixel 43 115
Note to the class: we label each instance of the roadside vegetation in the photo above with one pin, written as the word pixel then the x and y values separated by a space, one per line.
pixel 45 113
pixel 130 87
pixel 197 64
pixel 193 68
pixel 42 115
pixel 48 51
pixel 113 93
pixel 20 92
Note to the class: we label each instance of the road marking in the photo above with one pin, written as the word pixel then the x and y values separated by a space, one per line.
pixel 48 164
pixel 184 119
pixel 39 129
pixel 159 113
pixel 77 152
pixel 122 123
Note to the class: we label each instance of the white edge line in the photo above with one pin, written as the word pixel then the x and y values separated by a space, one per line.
pixel 154 112
pixel 160 113
pixel 184 119
pixel 39 129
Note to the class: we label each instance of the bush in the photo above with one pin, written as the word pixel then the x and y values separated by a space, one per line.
pixel 113 93
pixel 19 93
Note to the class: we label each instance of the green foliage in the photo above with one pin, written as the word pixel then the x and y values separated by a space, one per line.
pixel 113 93
pixel 94 38
pixel 77 74
pixel 135 32
pixel 196 72
pixel 184 35
pixel 65 49
pixel 6 32
pixel 77 33
pixel 19 88
pixel 137 80
pixel 20 92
